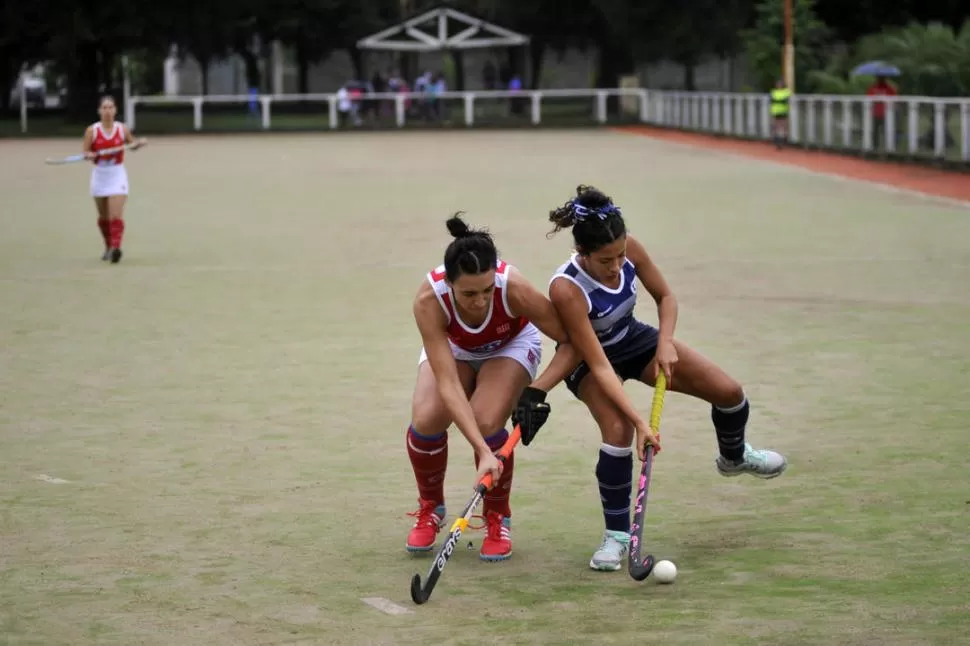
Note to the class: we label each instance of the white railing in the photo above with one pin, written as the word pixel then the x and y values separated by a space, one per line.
pixel 912 126
pixel 403 113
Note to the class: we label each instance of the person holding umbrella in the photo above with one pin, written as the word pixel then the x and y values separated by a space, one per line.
pixel 881 87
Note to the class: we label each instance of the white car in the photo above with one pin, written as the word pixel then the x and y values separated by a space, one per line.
pixel 35 89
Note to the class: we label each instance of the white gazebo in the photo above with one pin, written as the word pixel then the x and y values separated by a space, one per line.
pixel 414 35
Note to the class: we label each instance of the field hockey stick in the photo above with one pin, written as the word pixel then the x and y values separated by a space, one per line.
pixel 639 568
pixel 421 593
pixel 70 159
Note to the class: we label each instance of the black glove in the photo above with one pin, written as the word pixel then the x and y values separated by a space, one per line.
pixel 530 413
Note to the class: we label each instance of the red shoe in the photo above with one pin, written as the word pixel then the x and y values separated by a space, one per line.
pixel 430 518
pixel 497 545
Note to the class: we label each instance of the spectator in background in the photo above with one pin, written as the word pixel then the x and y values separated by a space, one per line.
pixel 881 87
pixel 394 81
pixel 399 85
pixel 345 107
pixel 439 87
pixel 780 106
pixel 382 108
pixel 422 82
pixel 422 85
pixel 516 104
pixel 356 92
pixel 378 83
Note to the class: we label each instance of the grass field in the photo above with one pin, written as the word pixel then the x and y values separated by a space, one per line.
pixel 227 405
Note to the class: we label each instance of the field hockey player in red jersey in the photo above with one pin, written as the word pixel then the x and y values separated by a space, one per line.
pixel 479 321
pixel 109 179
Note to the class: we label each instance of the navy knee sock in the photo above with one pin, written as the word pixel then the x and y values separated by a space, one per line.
pixel 614 472
pixel 729 425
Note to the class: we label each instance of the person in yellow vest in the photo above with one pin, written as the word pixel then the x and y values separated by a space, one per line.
pixel 780 99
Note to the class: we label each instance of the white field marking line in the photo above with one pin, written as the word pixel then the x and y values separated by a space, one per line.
pixel 386 606
pixel 889 188
pixel 51 479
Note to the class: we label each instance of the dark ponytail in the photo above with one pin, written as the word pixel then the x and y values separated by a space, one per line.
pixel 594 219
pixel 471 252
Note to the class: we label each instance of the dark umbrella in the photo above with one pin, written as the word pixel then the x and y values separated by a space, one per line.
pixel 876 68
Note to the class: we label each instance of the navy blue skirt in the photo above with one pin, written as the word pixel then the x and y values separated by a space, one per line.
pixel 629 356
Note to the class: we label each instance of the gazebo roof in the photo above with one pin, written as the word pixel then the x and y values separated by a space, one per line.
pixel 413 34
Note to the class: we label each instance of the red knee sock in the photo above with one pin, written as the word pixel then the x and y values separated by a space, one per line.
pixel 105 233
pixel 497 498
pixel 116 231
pixel 429 459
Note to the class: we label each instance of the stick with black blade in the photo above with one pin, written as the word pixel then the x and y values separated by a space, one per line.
pixel 421 593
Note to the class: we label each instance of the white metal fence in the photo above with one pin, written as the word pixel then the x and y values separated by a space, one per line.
pixel 911 126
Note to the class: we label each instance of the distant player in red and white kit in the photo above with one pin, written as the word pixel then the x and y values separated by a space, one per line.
pixel 478 319
pixel 109 179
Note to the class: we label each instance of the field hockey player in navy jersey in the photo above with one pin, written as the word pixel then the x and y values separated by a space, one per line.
pixel 595 292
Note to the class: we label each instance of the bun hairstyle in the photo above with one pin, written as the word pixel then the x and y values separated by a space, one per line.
pixel 593 218
pixel 471 252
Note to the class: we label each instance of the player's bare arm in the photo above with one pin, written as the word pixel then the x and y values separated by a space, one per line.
pixel 571 305
pixel 525 300
pixel 135 142
pixel 88 143
pixel 432 324
pixel 654 282
pixel 564 361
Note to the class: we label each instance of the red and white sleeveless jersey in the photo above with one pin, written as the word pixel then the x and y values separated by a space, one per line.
pixel 113 139
pixel 500 325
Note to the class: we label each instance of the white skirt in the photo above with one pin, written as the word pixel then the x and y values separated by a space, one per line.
pixel 524 348
pixel 109 180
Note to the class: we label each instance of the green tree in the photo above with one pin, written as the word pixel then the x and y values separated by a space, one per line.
pixel 934 59
pixel 686 32
pixel 764 43
pixel 308 27
pixel 355 19
pixel 86 41
pixel 24 33
pixel 202 29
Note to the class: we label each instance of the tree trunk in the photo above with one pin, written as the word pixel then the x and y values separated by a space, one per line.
pixel 537 50
pixel 204 69
pixel 515 58
pixel 614 59
pixel 459 59
pixel 303 68
pixel 357 58
pixel 408 66
pixel 8 75
pixel 82 97
pixel 106 71
pixel 251 63
pixel 690 67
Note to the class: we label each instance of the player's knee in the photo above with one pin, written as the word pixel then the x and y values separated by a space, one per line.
pixel 728 393
pixel 617 432
pixel 425 420
pixel 490 422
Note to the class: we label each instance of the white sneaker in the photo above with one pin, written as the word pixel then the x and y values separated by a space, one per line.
pixel 760 463
pixel 609 557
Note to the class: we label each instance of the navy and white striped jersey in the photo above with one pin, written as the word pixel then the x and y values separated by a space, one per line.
pixel 610 310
